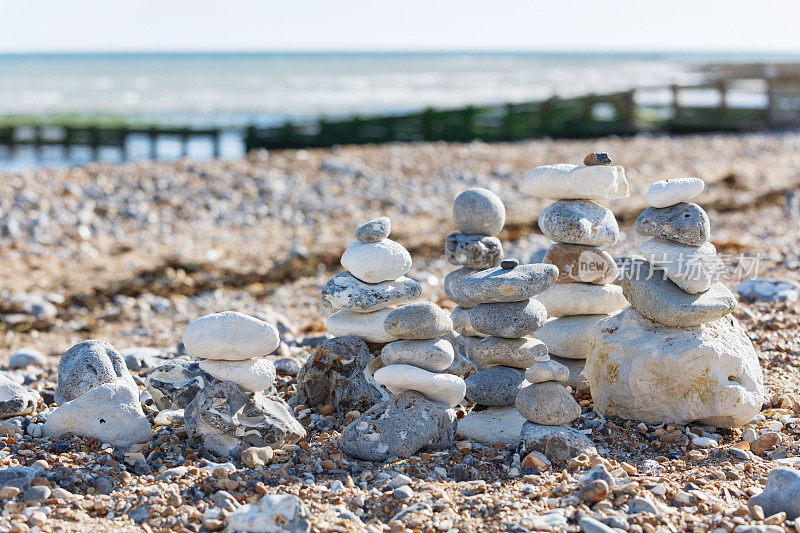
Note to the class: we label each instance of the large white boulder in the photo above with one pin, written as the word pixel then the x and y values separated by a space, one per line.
pixel 572 182
pixel 568 299
pixel 230 336
pixel 642 370
pixel 375 262
pixel 571 336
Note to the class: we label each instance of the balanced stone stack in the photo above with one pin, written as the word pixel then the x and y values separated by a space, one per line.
pixel 583 293
pixel 238 409
pixel 479 215
pixel 675 356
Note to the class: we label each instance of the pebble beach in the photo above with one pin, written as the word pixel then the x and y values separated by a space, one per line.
pixel 132 253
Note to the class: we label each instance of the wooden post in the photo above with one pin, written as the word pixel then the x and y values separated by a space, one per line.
pixel 216 143
pixel 427 124
pixel 676 101
pixel 722 87
pixel 505 131
pixel 627 109
pixel 771 103
pixel 152 137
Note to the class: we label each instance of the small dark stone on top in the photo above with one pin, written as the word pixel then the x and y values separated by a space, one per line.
pixel 598 158
pixel 509 264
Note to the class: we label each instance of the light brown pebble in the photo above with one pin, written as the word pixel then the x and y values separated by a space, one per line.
pixel 597 158
pixel 212 524
pixel 765 442
pixel 775 519
pixel 594 491
pixel 9 492
pixel 537 461
pixel 327 464
pixel 757 512
pixel 257 456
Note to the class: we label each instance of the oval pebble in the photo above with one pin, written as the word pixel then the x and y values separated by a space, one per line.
pixel 230 336
pixel 445 388
pixel 479 212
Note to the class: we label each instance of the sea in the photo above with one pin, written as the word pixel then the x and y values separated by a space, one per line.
pixel 233 90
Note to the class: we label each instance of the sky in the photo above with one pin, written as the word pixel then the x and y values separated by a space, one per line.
pixel 378 25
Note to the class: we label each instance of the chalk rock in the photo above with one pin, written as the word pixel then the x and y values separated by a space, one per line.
pixel 87 365
pixel 669 192
pixel 230 336
pixel 781 493
pixel 473 251
pixel 542 371
pixel 374 262
pixel 653 295
pixel 557 443
pixel 579 263
pixel 568 299
pixel 273 513
pixel 547 403
pixel 109 412
pixel 479 212
pixel 15 400
pixel 175 383
pixel 442 388
pixel 496 385
pixel 434 355
pixel 494 425
pixel 419 320
pixel 27 357
pixel 498 285
pixel 692 268
pixel 509 320
pixel 399 427
pixel 375 230
pixel 642 370
pixel 685 223
pixel 571 336
pixel 226 421
pixel 454 290
pixel 517 353
pixel 565 182
pixel 462 324
pixel 345 291
pixel 368 326
pixel 337 374
pixel 579 222
pixel 250 374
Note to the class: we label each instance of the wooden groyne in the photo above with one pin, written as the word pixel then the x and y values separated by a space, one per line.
pixel 773 103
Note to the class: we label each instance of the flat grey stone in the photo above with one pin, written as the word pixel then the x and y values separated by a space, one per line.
pixel 781 493
pixel 434 355
pixel 517 353
pixel 87 365
pixel 557 443
pixel 345 291
pixel 547 403
pixel 226 421
pixel 510 320
pixel 420 320
pixel 27 357
pixel 509 264
pixel 498 285
pixel 20 477
pixel 15 400
pixel 686 223
pixel 479 212
pixel 473 251
pixel 453 287
pixel 579 222
pixel 495 386
pixel 175 383
pixel 659 299
pixel 374 230
pixel 400 427
pixel 335 375
pixel 541 371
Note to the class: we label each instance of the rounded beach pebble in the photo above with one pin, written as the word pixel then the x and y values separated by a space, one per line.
pixel 420 320
pixel 547 403
pixel 445 388
pixel 569 299
pixel 579 222
pixel 503 285
pixel 580 263
pixel 542 371
pixel 345 291
pixel 374 230
pixel 686 223
pixel 230 336
pixel 435 355
pixel 479 212
pixel 669 192
pixel 374 262
pixel 517 353
pixel 251 374
pixel 368 326
pixel 495 386
pixel 510 320
pixel 473 251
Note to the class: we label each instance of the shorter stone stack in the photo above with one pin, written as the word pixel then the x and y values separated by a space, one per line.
pixel 479 215
pixel 583 293
pixel 373 283
pixel 240 410
pixel 676 355
pixel 506 313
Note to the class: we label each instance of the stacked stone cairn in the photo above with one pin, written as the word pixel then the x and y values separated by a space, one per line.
pixel 237 413
pixel 479 216
pixel 676 355
pixel 377 303
pixel 583 294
